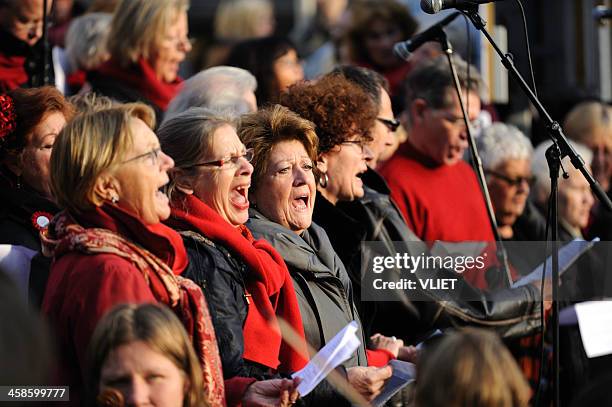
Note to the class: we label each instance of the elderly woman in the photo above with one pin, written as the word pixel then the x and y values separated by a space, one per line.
pixel 30 121
pixel 506 159
pixel 147 42
pixel 85 48
pixel 246 280
pixel 285 148
pixel 109 246
pixel 224 89
pixel 575 197
pixel 274 62
pixel 590 123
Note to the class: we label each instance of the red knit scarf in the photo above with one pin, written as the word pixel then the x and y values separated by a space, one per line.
pixel 142 78
pixel 12 72
pixel 269 284
pixel 180 294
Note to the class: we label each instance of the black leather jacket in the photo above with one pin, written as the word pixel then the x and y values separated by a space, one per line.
pixel 512 312
pixel 221 277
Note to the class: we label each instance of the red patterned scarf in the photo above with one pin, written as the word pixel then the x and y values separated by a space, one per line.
pixel 180 294
pixel 268 282
pixel 142 78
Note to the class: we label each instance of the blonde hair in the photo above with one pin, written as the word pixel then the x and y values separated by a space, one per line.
pixel 138 27
pixel 588 120
pixel 238 19
pixel 160 329
pixel 88 146
pixel 470 368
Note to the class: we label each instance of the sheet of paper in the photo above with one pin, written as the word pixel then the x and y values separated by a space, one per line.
pixel 595 323
pixel 403 374
pixel 336 351
pixel 568 254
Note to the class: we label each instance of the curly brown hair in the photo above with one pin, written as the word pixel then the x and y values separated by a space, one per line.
pixel 339 109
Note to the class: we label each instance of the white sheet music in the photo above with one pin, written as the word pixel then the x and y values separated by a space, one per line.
pixel 568 254
pixel 595 322
pixel 336 351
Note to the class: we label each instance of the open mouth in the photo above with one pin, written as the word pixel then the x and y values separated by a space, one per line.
pixel 160 194
pixel 300 202
pixel 239 197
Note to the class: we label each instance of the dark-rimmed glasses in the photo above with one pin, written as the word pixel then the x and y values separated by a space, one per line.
pixel 513 182
pixel 391 124
pixel 232 160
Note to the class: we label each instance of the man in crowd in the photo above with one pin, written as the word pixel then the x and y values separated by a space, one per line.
pixel 437 192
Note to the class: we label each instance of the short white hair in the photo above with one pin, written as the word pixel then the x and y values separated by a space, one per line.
pixel 221 89
pixel 539 167
pixel 502 142
pixel 86 40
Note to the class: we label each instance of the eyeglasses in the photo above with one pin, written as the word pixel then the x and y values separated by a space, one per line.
pixel 228 162
pixel 458 121
pixel 360 144
pixel 513 182
pixel 391 124
pixel 182 43
pixel 152 156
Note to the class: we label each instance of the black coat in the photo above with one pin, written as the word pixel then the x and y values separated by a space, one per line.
pixel 121 92
pixel 19 208
pixel 221 276
pixel 375 218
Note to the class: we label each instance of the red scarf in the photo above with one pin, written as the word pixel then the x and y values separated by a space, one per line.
pixel 180 294
pixel 142 78
pixel 269 284
pixel 12 72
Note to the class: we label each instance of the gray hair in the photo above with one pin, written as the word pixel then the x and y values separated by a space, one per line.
pixel 539 167
pixel 431 81
pixel 501 142
pixel 86 40
pixel 187 137
pixel 220 89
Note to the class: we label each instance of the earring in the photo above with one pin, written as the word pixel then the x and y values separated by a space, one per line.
pixel 114 199
pixel 323 180
pixel 18 182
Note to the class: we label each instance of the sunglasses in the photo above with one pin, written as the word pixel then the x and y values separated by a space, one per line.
pixel 391 124
pixel 513 182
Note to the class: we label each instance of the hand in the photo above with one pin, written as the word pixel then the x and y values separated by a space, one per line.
pixel 368 381
pixel 271 393
pixel 408 354
pixel 391 344
pixel 547 291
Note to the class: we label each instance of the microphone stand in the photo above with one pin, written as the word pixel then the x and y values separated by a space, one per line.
pixel 560 149
pixel 45 47
pixel 501 253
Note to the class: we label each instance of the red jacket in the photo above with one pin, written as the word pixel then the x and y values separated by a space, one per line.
pixel 82 288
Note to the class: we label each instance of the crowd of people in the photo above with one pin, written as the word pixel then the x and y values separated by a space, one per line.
pixel 194 242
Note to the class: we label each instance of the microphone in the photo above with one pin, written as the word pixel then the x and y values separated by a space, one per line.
pixel 405 48
pixel 435 6
pixel 602 13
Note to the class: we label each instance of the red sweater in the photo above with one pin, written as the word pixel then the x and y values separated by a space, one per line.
pixel 439 202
